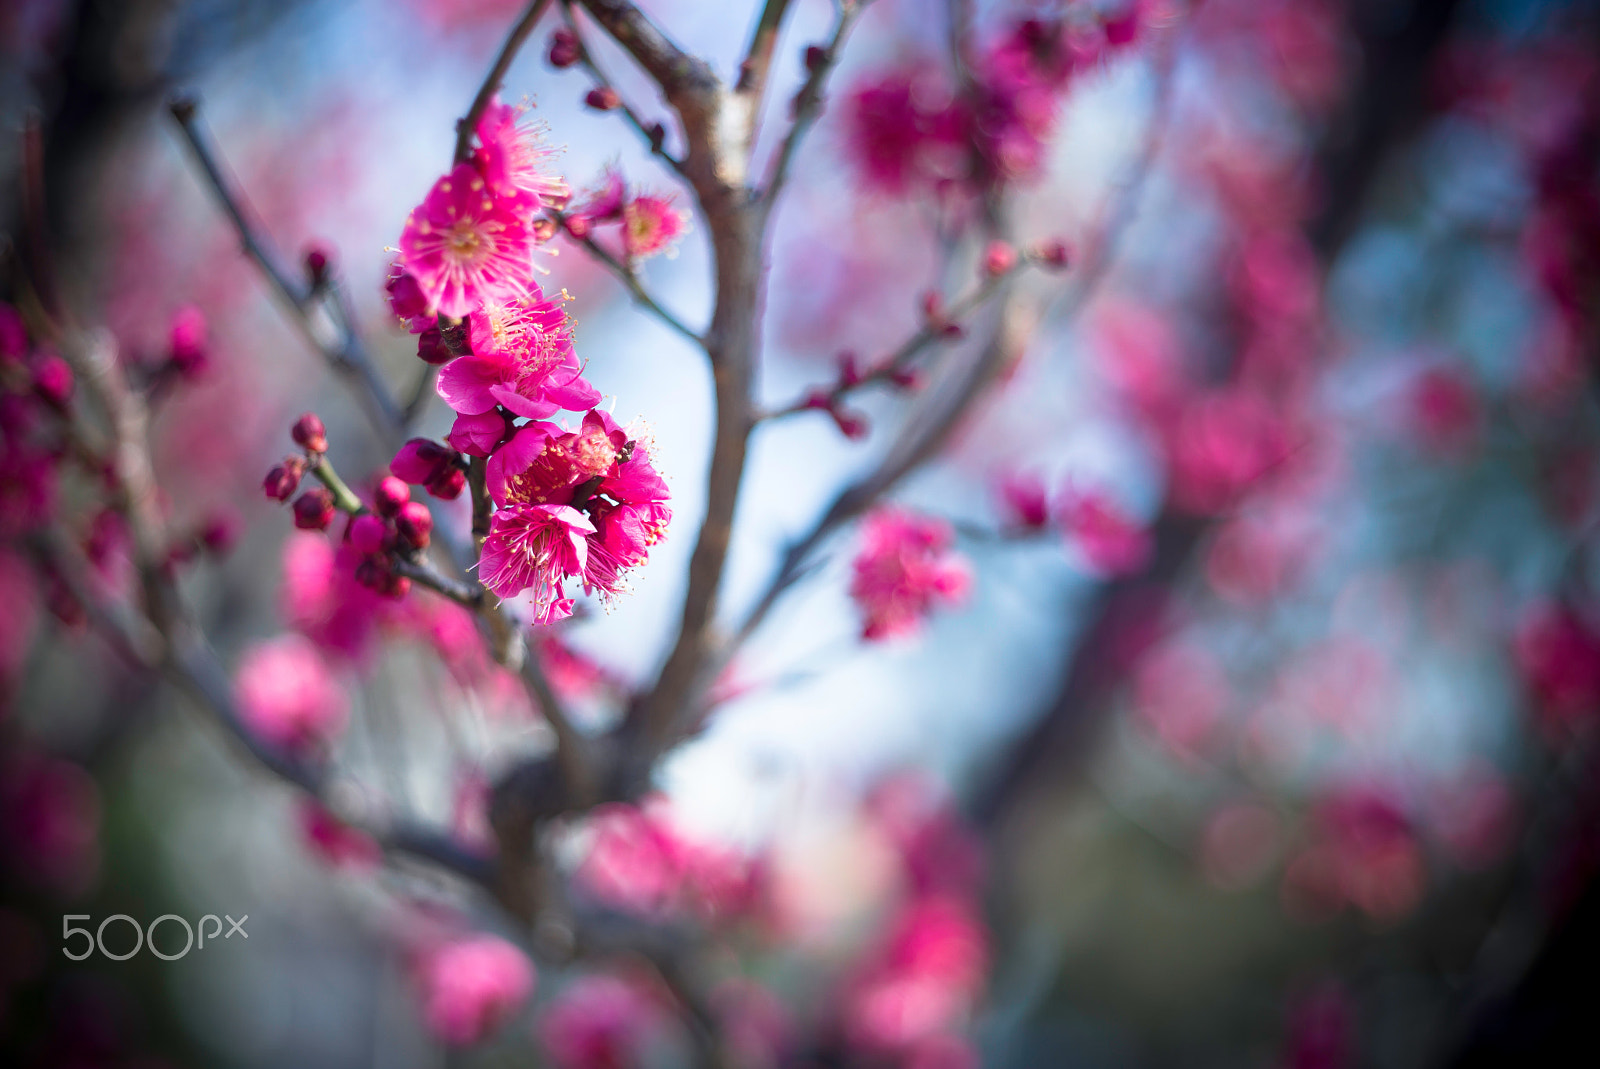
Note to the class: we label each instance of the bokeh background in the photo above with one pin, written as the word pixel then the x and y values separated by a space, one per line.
pixel 1310 781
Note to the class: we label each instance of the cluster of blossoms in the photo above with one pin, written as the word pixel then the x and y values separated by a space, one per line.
pixel 648 223
pixel 584 503
pixel 911 129
pixel 904 569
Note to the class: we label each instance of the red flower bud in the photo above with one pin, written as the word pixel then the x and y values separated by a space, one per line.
pixel 849 369
pixel 431 348
pixel 309 433
pixel 317 260
pixel 188 338
pixel 415 524
pixel 578 226
pixel 219 532
pixel 369 534
pixel 819 398
pixel 564 49
pixel 448 484
pixel 853 424
pixel 999 258
pixel 284 479
pixel 390 495
pixel 907 378
pixel 816 56
pixel 1053 254
pixel 52 380
pixel 313 510
pixel 602 98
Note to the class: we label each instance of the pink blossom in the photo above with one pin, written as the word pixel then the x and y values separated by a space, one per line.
pixel 287 696
pixel 1443 409
pixel 470 986
pixel 50 823
pixel 1362 853
pixel 521 358
pixel 536 547
pixel 1558 654
pixel 465 247
pixel 1180 694
pixel 924 980
pixel 429 464
pixel 630 515
pixel 19 593
pixel 600 1022
pixel 1026 501
pixel 1106 538
pixel 336 843
pixel 904 130
pixel 323 601
pixel 905 568
pixel 408 302
pixel 651 225
pixel 635 862
pixel 514 160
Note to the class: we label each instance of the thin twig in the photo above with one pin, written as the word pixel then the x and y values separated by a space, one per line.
pixel 468 124
pixel 630 279
pixel 466 594
pixel 808 104
pixel 655 134
pixel 348 356
pixel 900 359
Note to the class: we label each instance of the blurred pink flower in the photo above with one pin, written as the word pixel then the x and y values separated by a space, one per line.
pixel 471 986
pixel 652 225
pixel 1108 541
pixel 600 1022
pixel 904 568
pixel 287 696
pixel 1558 654
pixel 50 823
pixel 335 842
pixel 923 981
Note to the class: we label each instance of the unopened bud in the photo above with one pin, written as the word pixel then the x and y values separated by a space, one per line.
pixel 816 56
pixel 1053 254
pixel 52 380
pixel 431 348
pixel 849 369
pixel 390 495
pixel 602 98
pixel 415 524
pixel 313 510
pixel 309 434
pixel 578 226
pixel 853 424
pixel 369 534
pixel 219 533
pixel 564 49
pixel 317 261
pixel 448 484
pixel 284 479
pixel 999 258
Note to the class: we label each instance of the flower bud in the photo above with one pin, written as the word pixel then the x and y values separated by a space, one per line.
pixel 284 479
pixel 188 339
pixel 415 524
pixel 420 460
pixel 544 228
pixel 373 574
pixel 564 49
pixel 816 56
pixel 907 378
pixel 849 369
pixel 390 495
pixel 317 260
pixel 578 226
pixel 52 380
pixel 313 510
pixel 602 98
pixel 309 433
pixel 448 484
pixel 219 532
pixel 369 534
pixel 998 258
pixel 431 348
pixel 1053 255
pixel 853 424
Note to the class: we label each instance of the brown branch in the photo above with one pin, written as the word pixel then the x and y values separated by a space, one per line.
pixel 655 134
pixel 467 125
pixel 348 356
pixel 467 595
pixel 630 279
pixel 808 104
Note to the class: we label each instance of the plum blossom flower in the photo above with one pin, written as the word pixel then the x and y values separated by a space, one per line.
pixel 470 986
pixel 287 695
pixel 50 822
pixel 904 130
pixel 514 160
pixel 923 980
pixel 536 547
pixel 464 246
pixel 651 225
pixel 904 569
pixel 335 842
pixel 521 358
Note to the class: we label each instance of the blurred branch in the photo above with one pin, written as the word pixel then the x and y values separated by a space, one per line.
pixel 348 356
pixel 808 103
pixel 630 279
pixel 654 134
pixel 754 70
pixel 467 125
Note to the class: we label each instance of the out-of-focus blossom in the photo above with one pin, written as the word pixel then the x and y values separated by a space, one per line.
pixel 651 224
pixel 50 823
pixel 1321 1033
pixel 756 1025
pixel 20 594
pixel 1026 501
pixel 1363 853
pixel 600 1022
pixel 1239 843
pixel 904 569
pixel 1474 815
pixel 471 986
pixel 334 842
pixel 904 130
pixel 639 862
pixel 924 979
pixel 1443 410
pixel 1180 694
pixel 1558 654
pixel 465 247
pixel 287 695
pixel 1106 539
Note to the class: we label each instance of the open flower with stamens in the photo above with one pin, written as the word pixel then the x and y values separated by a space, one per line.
pixel 515 161
pixel 465 246
pixel 651 225
pixel 904 569
pixel 521 358
pixel 630 514
pixel 536 547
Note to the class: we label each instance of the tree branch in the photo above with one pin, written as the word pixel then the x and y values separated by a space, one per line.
pixel 653 135
pixel 630 279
